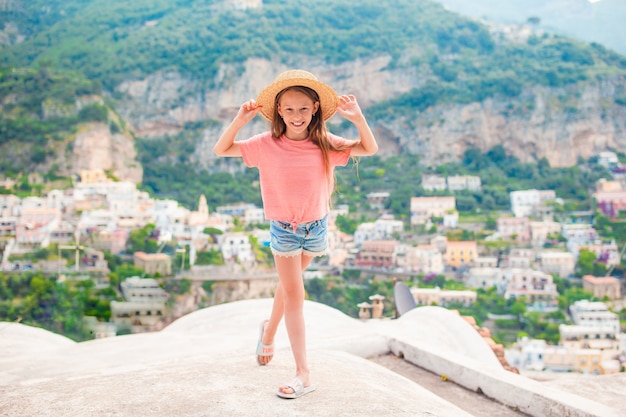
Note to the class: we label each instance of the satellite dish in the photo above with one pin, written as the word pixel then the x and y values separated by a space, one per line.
pixel 403 298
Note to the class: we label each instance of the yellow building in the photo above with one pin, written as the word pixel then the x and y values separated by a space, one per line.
pixel 461 253
pixel 563 359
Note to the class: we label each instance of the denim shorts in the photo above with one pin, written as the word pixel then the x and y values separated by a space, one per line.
pixel 308 238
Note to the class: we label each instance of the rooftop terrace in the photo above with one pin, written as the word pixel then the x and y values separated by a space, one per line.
pixel 429 362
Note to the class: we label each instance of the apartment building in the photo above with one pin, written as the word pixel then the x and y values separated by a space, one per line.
pixel 426 259
pixel 536 286
pixel 606 252
pixel 602 287
pixel 423 208
pixel 433 183
pixel 514 228
pixel 464 182
pixel 485 278
pixel 525 203
pixel 377 200
pixel 611 203
pixel 143 308
pixel 236 246
pixel 377 254
pixel 441 297
pixel 153 263
pixel 577 235
pixel 563 359
pixel 527 354
pixel 594 314
pixel 557 262
pixel 382 229
pixel 35 225
pixel 461 253
pixel 540 231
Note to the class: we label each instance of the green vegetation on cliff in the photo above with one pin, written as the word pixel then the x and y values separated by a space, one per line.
pixel 459 58
pixel 38 109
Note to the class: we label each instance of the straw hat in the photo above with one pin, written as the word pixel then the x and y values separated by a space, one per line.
pixel 267 97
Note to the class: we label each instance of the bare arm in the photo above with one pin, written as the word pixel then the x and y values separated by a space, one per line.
pixel 350 109
pixel 226 145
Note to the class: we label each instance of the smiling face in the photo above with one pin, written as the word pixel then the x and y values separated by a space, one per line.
pixel 296 110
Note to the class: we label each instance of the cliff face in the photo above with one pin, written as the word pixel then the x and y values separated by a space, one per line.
pixel 95 147
pixel 558 124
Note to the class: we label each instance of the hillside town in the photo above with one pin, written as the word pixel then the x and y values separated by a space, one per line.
pixel 97 215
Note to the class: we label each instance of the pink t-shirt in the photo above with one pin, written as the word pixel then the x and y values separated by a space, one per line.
pixel 294 186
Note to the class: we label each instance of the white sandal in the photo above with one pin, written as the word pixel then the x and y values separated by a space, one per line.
pixel 263 350
pixel 298 388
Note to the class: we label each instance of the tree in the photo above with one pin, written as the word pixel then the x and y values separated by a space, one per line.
pixel 143 240
pixel 519 307
pixel 588 264
pixel 346 224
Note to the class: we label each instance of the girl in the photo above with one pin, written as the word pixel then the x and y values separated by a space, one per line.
pixel 296 161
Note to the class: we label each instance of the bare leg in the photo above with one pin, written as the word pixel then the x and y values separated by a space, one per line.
pixel 278 310
pixel 291 290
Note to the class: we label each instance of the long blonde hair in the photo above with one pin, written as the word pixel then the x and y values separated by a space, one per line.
pixel 318 133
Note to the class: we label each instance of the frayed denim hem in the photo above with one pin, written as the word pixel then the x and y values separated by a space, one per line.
pixel 298 252
pixel 316 254
pixel 289 254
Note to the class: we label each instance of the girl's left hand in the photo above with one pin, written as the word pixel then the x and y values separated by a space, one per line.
pixel 348 107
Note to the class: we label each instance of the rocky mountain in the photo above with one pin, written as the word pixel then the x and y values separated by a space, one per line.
pixel 432 83
pixel 561 124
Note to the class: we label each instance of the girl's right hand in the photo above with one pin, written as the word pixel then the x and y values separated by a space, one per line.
pixel 248 111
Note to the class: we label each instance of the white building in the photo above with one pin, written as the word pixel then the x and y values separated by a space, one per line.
pixel 557 262
pixel 578 235
pixel 377 200
pixel 426 259
pixel 254 215
pixel 537 286
pixel 594 314
pixel 485 277
pixel 9 205
pixel 524 203
pixel 423 208
pixel 486 262
pixel 451 219
pixel 464 182
pixel 98 220
pixel 527 354
pixel 437 296
pixel 384 228
pixel 540 230
pixel 365 232
pixel 433 182
pixel 608 159
pixel 143 290
pixel 236 246
pixel 144 305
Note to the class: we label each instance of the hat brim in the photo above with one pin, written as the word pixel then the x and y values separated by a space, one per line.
pixel 328 97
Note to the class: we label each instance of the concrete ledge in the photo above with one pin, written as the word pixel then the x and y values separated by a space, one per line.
pixel 527 395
